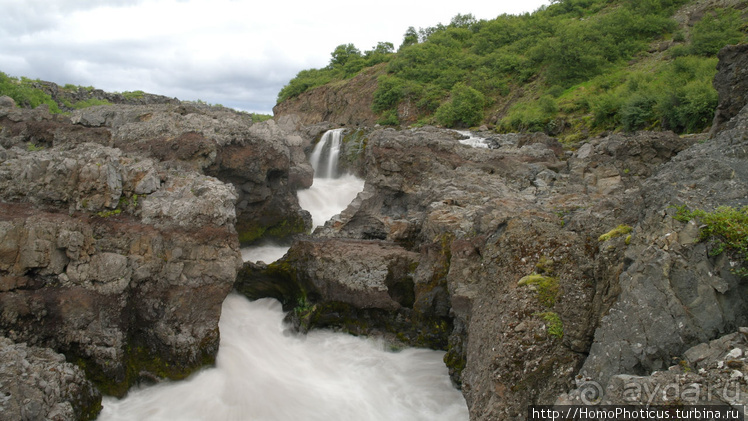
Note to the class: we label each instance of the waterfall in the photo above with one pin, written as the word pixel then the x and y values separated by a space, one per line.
pixel 264 373
pixel 331 191
pixel 326 165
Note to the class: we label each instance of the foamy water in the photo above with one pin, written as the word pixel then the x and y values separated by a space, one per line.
pixel 265 373
pixel 267 253
pixel 329 196
pixel 472 140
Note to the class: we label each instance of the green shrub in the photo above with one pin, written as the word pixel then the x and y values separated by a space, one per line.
pixel 465 108
pixel 605 110
pixel 389 118
pixel 715 30
pixel 637 112
pixel 388 94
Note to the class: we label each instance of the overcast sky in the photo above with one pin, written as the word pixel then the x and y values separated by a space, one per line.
pixel 237 53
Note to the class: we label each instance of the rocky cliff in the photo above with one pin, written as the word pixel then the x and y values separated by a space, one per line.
pixel 538 269
pixel 346 103
pixel 119 241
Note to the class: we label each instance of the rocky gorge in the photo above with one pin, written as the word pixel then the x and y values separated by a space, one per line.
pixel 546 272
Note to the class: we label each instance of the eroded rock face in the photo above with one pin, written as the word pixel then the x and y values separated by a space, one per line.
pixel 117 259
pixel 349 105
pixel 673 293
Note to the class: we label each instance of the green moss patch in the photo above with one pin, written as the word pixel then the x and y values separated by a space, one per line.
pixel 547 287
pixel 554 323
pixel 725 228
pixel 618 231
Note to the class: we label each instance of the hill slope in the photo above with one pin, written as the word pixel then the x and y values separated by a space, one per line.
pixel 570 69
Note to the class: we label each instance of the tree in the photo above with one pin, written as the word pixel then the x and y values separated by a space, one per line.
pixel 410 38
pixel 343 54
pixel 463 21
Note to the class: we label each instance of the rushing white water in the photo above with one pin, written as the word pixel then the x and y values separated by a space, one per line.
pixel 267 253
pixel 264 373
pixel 326 153
pixel 329 196
pixel 472 140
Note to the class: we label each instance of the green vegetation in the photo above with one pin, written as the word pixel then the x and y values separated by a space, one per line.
pixel 546 287
pixel 346 61
pixel 726 228
pixel 572 66
pixel 616 232
pixel 25 94
pixel 554 323
pixel 133 94
pixel 259 118
pixel 31 147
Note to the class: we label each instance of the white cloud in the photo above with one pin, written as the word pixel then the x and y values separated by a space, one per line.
pixel 238 53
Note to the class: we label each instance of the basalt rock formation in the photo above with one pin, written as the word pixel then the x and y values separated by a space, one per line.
pixel 119 242
pixel 537 269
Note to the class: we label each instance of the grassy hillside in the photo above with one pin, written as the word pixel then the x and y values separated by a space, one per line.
pixel 573 68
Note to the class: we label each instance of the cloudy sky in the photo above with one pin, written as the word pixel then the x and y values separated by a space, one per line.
pixel 238 53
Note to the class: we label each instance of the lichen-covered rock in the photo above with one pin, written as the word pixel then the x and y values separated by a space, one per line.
pixel 37 384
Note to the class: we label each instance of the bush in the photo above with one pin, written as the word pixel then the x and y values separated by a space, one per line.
pixel 637 112
pixel 529 117
pixel 605 111
pixel 389 118
pixel 715 30
pixel 465 108
pixel 388 94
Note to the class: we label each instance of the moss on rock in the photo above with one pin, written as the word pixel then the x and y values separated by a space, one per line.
pixel 547 287
pixel 618 231
pixel 254 231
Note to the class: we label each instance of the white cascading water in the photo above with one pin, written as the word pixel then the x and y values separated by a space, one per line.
pixel 472 139
pixel 326 165
pixel 265 373
pixel 330 192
